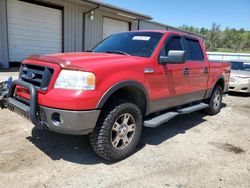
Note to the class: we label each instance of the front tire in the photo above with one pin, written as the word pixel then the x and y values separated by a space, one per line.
pixel 118 131
pixel 215 101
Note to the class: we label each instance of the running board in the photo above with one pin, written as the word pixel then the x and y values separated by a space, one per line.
pixel 163 118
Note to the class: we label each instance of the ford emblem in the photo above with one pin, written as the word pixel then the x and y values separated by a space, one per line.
pixel 30 75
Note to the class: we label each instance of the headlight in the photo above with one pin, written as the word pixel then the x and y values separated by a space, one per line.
pixel 244 80
pixel 76 80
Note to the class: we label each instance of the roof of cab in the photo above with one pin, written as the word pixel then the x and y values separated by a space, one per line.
pixel 165 31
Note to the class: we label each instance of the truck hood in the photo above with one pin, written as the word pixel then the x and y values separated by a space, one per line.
pixel 84 60
pixel 239 73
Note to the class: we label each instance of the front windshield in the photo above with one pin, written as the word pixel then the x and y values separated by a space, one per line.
pixel 240 66
pixel 140 44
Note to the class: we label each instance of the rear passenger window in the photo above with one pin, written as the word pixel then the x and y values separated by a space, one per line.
pixel 195 51
pixel 172 44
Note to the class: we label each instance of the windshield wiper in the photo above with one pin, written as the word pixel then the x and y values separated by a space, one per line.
pixel 89 50
pixel 117 52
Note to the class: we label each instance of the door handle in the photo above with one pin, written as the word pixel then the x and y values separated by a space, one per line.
pixel 205 70
pixel 186 71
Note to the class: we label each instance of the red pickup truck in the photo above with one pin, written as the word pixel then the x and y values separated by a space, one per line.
pixel 129 80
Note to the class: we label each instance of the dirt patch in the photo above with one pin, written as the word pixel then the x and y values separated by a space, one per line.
pixel 14 161
pixel 232 148
pixel 228 147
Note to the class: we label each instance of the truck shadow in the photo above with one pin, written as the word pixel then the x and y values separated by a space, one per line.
pixel 178 125
pixel 77 149
pixel 70 148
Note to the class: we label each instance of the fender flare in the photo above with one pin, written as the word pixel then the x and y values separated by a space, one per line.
pixel 210 91
pixel 116 87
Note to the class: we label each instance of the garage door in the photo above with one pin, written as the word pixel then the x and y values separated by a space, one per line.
pixel 111 26
pixel 33 29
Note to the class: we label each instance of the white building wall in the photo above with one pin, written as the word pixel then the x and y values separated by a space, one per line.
pixel 4 60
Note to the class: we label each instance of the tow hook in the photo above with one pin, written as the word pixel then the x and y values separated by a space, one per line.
pixel 4 89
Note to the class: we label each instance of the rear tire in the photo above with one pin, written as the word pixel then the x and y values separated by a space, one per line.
pixel 118 131
pixel 214 101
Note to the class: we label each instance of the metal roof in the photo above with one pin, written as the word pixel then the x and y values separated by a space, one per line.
pixel 178 29
pixel 106 5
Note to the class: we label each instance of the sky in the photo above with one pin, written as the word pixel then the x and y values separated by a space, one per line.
pixel 197 13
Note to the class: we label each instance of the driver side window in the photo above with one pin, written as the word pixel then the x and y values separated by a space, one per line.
pixel 173 44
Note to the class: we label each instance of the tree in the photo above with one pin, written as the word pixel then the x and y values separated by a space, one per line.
pixel 214 37
pixel 245 38
pixel 230 39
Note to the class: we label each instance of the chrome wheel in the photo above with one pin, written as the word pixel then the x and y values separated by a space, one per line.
pixel 217 99
pixel 123 131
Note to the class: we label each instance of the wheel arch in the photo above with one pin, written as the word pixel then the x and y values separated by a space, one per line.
pixel 138 92
pixel 219 81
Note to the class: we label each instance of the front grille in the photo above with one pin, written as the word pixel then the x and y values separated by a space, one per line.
pixel 39 76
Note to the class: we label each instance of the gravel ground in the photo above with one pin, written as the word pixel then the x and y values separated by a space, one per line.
pixel 193 150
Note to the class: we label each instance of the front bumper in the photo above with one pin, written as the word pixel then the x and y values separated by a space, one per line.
pixel 57 120
pixel 69 122
pixel 238 87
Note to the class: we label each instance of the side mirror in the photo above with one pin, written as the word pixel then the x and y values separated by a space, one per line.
pixel 174 57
